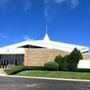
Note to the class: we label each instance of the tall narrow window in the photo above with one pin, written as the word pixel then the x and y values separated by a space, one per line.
pixel 16 63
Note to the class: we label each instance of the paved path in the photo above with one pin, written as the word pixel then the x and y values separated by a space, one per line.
pixel 14 83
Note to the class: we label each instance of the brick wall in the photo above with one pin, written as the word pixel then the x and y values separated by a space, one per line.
pixel 37 57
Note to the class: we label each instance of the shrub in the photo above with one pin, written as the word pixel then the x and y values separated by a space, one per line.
pixel 15 69
pixel 83 70
pixel 65 63
pixel 59 60
pixel 35 67
pixel 73 59
pixel 51 66
pixel 62 62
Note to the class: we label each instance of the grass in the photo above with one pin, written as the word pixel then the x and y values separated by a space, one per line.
pixel 56 74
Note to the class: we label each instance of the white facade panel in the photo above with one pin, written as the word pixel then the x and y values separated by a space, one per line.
pixel 12 51
pixel 84 64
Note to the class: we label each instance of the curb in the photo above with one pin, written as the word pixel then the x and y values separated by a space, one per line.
pixel 45 78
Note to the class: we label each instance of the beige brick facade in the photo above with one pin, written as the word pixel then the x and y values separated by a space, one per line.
pixel 37 57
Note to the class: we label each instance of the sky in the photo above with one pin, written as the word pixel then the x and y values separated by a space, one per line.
pixel 67 21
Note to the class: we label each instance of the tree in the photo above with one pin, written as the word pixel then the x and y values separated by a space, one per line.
pixel 69 62
pixel 73 59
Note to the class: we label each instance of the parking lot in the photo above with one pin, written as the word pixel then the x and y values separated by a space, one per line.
pixel 13 83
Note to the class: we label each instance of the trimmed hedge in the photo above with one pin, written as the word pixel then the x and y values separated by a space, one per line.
pixel 83 70
pixel 51 66
pixel 48 66
pixel 14 70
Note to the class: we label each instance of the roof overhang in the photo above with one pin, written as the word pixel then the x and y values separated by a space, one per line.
pixel 12 51
pixel 48 44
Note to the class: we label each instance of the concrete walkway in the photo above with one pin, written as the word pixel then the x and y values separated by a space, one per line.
pixel 2 71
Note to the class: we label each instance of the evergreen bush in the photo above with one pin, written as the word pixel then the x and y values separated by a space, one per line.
pixel 51 66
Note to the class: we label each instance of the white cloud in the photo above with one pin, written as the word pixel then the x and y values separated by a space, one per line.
pixel 3 36
pixel 71 3
pixel 46 8
pixel 4 1
pixel 7 5
pixel 27 7
pixel 59 1
pixel 74 3
pixel 26 4
pixel 3 4
pixel 26 37
pixel 45 1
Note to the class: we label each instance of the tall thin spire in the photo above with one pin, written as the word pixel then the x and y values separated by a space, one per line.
pixel 46 37
pixel 46 29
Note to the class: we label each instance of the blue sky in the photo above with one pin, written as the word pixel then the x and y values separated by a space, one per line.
pixel 67 20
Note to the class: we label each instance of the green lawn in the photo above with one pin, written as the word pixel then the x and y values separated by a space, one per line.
pixel 56 74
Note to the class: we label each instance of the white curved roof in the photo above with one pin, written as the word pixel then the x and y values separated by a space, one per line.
pixel 47 43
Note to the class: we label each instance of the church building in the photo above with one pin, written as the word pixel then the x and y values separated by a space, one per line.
pixel 36 52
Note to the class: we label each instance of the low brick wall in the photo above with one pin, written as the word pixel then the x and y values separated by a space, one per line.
pixel 39 56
